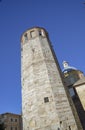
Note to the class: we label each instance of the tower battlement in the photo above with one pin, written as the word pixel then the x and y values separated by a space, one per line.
pixel 33 33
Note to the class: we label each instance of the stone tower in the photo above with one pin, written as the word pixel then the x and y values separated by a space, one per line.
pixel 45 101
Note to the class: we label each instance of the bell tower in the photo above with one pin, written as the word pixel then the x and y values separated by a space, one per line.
pixel 46 104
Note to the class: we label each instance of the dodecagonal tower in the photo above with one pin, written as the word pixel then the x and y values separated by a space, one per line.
pixel 46 104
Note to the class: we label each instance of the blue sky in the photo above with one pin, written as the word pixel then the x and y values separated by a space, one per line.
pixel 65 22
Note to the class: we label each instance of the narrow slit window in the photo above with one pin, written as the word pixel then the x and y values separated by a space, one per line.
pixel 69 127
pixel 60 122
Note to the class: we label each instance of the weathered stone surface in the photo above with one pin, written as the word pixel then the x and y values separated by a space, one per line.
pixel 45 101
pixel 81 93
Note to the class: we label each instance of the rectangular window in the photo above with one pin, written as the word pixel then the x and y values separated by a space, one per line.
pixel 15 120
pixel 11 120
pixel 46 99
pixel 11 128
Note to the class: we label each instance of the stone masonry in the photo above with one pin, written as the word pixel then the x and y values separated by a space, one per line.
pixel 46 104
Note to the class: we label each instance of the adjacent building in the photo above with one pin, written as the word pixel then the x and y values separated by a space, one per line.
pixel 74 80
pixel 79 86
pixel 11 121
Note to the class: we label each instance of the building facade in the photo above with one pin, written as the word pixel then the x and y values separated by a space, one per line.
pixel 11 121
pixel 75 82
pixel 46 104
pixel 79 86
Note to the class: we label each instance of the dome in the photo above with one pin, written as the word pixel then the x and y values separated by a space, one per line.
pixel 67 68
